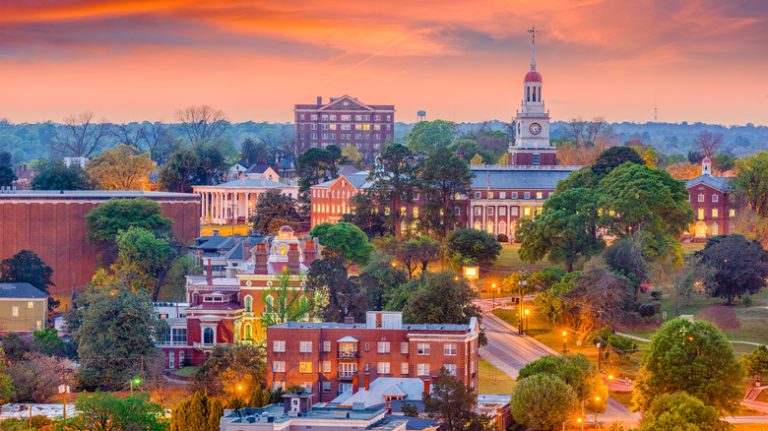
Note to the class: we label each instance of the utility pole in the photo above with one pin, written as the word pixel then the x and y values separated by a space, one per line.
pixel 520 304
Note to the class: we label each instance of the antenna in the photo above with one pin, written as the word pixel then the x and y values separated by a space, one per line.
pixel 533 32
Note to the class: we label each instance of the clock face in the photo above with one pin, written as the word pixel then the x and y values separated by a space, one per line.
pixel 535 128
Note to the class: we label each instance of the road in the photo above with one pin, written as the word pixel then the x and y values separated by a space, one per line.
pixel 509 352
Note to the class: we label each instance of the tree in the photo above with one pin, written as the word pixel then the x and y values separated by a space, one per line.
pixel 429 136
pixel 106 220
pixel 680 411
pixel 424 250
pixel 443 178
pixel 578 373
pixel 159 141
pixel 542 401
pixel 102 411
pixel 273 211
pixel 452 403
pixel 723 161
pixel 381 280
pixel 343 297
pixel 315 166
pixel 367 214
pixel 179 174
pixel 477 159
pixel 683 171
pixel 7 176
pixel 393 185
pixel 233 366
pixel 586 133
pixel 202 124
pixel 79 136
pixel 707 143
pixel 350 154
pixel 441 298
pixel 752 181
pixel 613 158
pixel 58 176
pixel 346 239
pixel 49 343
pixel 694 357
pixel 197 413
pixel 756 363
pixel 27 267
pixel 6 383
pixel 288 304
pixel 625 258
pixel 732 266
pixel 121 168
pixel 143 259
pixel 472 246
pixel 115 329
pixel 567 229
pixel 36 378
pixel 252 152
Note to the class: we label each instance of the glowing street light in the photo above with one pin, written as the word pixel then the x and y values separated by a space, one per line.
pixel 565 340
pixel 527 312
pixel 135 381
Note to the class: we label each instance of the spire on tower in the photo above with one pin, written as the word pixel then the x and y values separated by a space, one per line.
pixel 533 32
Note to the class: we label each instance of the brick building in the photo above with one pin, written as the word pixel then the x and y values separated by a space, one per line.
pixel 714 207
pixel 332 358
pixel 344 121
pixel 226 309
pixel 52 224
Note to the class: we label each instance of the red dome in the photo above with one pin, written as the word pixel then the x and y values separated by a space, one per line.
pixel 706 160
pixel 533 76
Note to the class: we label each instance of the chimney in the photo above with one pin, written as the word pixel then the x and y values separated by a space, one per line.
pixel 209 273
pixel 309 252
pixel 260 258
pixel 293 258
pixel 246 249
pixel 355 383
pixel 367 382
pixel 319 101
pixel 427 386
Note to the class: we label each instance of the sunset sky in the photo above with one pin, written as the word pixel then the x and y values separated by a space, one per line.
pixel 127 60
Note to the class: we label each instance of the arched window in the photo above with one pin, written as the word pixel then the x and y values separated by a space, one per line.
pixel 208 336
pixel 248 304
pixel 478 225
pixel 247 332
pixel 489 227
pixel 270 304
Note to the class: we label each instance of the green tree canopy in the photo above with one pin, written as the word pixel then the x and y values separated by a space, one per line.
pixel 197 413
pixel 443 178
pixel 102 411
pixel 315 166
pixel 106 220
pixel 27 267
pixel 576 371
pixel 452 403
pixel 343 296
pixel 143 259
pixel 732 266
pixel 273 211
pixel 345 238
pixel 58 176
pixel 694 357
pixel 680 411
pixel 613 158
pixel 756 363
pixel 367 214
pixel 393 185
pixel 752 181
pixel 429 136
pixel 542 401
pixel 7 175
pixel 468 245
pixel 201 164
pixel 441 298
pixel 381 280
pixel 566 231
pixel 122 167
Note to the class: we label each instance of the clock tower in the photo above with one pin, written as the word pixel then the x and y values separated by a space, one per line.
pixel 531 146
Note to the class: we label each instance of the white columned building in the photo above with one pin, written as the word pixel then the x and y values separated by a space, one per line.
pixel 235 201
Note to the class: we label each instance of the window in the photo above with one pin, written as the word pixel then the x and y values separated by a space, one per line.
pixel 701 197
pixel 700 214
pixel 422 349
pixel 365 347
pixel 715 213
pixel 181 358
pixel 404 348
pixel 449 349
pixel 278 366
pixel 326 346
pixel 715 198
pixel 324 117
pixel 502 211
pixel 476 211
pixel 539 195
pixel 382 367
pixel 270 304
pixel 477 195
pixel 502 195
pixel 305 347
pixel 490 195
pixel 451 368
pixel 422 370
pixel 171 360
pixel 346 117
pixel 208 336
pixel 536 159
pixel 179 335
pixel 377 118
pixel 326 366
pixel 382 347
pixel 305 367
pixel 731 212
pixel 404 368
pixel 514 195
pixel 416 212
pixel 326 386
pixel 490 211
pixel 527 195
pixel 247 332
pixel 313 117
pixel 278 346
pixel 526 211
pixel 15 311
pixel 248 304
pixel 30 304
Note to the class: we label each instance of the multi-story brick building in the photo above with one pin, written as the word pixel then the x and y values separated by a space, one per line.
pixel 714 207
pixel 344 121
pixel 332 358
pixel 52 224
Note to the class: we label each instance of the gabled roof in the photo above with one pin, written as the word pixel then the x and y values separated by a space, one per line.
pixel 339 103
pixel 717 183
pixel 21 290
pixel 258 168
pixel 357 179
pixel 405 387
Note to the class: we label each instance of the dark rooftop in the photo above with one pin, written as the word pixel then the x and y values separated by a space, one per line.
pixel 21 290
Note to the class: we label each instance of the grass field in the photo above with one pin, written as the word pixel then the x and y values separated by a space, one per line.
pixel 185 372
pixel 491 380
pixel 508 262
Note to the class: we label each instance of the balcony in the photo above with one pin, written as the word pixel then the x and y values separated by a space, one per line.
pixel 348 355
pixel 347 375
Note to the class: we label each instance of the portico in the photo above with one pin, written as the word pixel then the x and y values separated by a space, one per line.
pixel 235 201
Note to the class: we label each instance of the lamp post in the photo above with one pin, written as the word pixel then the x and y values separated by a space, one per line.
pixel 493 295
pixel 565 339
pixel 526 312
pixel 520 303
pixel 578 420
pixel 137 382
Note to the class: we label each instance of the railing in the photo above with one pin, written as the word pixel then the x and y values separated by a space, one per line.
pixel 348 355
pixel 347 375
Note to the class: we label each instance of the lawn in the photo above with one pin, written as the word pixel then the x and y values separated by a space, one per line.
pixel 491 380
pixel 185 372
pixel 508 262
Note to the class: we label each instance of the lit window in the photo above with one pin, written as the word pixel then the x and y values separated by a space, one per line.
pixel 305 347
pixel 731 212
pixel 449 349
pixel 416 212
pixel 30 304
pixel 700 214
pixel 422 370
pixel 278 366
pixel 422 349
pixel 526 211
pixel 404 368
pixel 490 195
pixel 15 311
pixel 382 367
pixel 451 368
pixel 539 195
pixel 305 367
pixel 715 213
pixel 278 346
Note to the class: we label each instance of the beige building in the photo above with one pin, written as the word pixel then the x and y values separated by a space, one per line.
pixel 23 308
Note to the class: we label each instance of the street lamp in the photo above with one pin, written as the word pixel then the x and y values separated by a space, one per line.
pixel 493 295
pixel 520 303
pixel 135 381
pixel 578 420
pixel 565 339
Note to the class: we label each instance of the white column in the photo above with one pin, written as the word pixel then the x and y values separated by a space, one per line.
pixel 496 219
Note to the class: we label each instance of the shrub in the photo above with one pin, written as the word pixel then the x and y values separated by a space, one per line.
pixel 656 295
pixel 746 300
pixel 502 238
pixel 647 310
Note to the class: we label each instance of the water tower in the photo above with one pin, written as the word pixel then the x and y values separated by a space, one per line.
pixel 421 115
